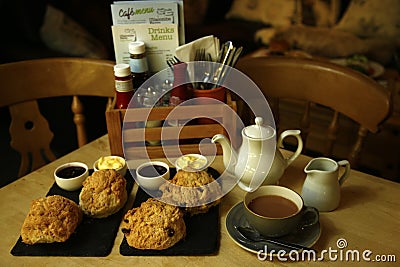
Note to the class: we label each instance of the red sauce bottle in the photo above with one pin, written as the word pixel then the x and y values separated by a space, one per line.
pixel 123 85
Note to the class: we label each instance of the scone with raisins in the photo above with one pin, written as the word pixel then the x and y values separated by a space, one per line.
pixel 103 193
pixel 195 192
pixel 50 219
pixel 153 225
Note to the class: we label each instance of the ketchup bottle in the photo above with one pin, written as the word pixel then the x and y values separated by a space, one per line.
pixel 123 85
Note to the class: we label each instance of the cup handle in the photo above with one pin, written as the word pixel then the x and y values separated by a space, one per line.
pixel 346 165
pixel 295 133
pixel 310 216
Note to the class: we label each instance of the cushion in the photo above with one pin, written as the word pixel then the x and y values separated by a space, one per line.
pixel 61 33
pixel 278 13
pixel 372 18
pixel 325 12
pixel 322 41
pixel 332 43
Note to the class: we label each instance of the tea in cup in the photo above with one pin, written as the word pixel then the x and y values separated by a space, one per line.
pixel 276 211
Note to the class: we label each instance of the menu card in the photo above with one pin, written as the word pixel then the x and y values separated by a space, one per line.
pixel 159 24
pixel 161 41
pixel 150 12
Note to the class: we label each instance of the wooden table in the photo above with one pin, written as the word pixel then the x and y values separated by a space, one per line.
pixel 368 218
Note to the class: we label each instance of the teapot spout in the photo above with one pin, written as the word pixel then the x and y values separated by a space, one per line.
pixel 229 155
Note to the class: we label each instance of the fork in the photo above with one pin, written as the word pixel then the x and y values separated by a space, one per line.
pixel 200 55
pixel 172 61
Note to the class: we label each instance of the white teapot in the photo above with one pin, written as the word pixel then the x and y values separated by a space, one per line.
pixel 258 161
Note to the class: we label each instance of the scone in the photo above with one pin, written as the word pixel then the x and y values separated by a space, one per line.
pixel 103 194
pixel 191 193
pixel 153 225
pixel 50 219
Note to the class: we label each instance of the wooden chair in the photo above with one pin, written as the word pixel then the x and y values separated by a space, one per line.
pixel 313 85
pixel 25 82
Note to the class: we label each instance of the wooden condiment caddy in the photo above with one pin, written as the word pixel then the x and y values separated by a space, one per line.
pixel 189 135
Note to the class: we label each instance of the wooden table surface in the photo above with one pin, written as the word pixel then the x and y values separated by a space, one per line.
pixel 368 218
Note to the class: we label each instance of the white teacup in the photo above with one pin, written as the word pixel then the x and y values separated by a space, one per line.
pixel 70 176
pixel 275 211
pixel 111 162
pixel 191 163
pixel 151 175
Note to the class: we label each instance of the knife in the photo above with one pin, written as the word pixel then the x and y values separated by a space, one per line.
pixel 254 236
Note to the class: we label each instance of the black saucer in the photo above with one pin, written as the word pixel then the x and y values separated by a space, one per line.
pixel 307 236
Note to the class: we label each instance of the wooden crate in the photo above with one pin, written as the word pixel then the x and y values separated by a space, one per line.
pixel 189 135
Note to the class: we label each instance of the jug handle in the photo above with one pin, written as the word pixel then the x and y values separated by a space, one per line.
pixel 346 164
pixel 295 133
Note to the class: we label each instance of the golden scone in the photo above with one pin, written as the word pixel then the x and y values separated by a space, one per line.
pixel 153 225
pixel 103 194
pixel 50 219
pixel 190 191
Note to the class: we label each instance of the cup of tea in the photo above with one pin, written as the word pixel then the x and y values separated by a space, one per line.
pixel 276 211
pixel 151 175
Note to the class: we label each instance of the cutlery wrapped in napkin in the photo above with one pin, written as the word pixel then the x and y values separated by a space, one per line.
pixel 187 52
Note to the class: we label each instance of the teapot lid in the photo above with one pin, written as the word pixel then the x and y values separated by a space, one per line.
pixel 258 131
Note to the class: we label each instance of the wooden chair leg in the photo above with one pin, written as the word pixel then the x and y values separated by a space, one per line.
pixel 356 149
pixel 79 120
pixel 24 166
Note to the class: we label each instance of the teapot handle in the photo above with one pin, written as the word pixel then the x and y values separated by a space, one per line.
pixel 295 133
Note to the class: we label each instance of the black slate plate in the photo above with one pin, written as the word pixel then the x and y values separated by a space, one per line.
pixel 93 237
pixel 202 232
